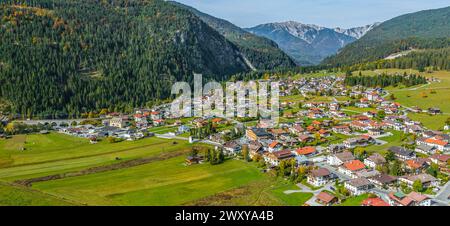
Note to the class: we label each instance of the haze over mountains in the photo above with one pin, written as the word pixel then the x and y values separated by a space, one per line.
pixel 309 44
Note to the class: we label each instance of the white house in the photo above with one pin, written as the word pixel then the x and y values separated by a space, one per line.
pixel 374 160
pixel 319 177
pixel 358 186
pixel 339 158
pixel 412 199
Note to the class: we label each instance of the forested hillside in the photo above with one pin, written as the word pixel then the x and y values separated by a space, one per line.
pixel 61 58
pixel 263 53
pixel 428 29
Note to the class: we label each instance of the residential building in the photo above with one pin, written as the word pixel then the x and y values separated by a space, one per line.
pixel 374 202
pixel 326 198
pixel 402 153
pixel 340 158
pixel 256 134
pixel 319 177
pixel 275 158
pixel 358 186
pixel 306 151
pixel 351 167
pixel 412 199
pixel 375 160
pixel 426 180
pixel 383 181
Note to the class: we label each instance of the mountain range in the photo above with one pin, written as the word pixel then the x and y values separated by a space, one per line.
pixel 62 58
pixel 261 53
pixel 309 44
pixel 424 30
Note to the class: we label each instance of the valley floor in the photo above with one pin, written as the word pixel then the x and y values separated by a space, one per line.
pixel 165 181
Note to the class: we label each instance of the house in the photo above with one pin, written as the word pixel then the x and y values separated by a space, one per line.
pixel 374 202
pixel 342 130
pixel 324 133
pixel 231 148
pixel 305 138
pixel 412 199
pixel 383 180
pixel 443 161
pixel 140 120
pixel 306 151
pixel 297 130
pixel 340 158
pixel 275 158
pixel 319 177
pixel 336 148
pixel 278 132
pixel 375 160
pixel 256 134
pixel 351 167
pixel 425 149
pixel 426 180
pixel 402 153
pixel 363 141
pixel 434 111
pixel 416 165
pixel 275 146
pixel 358 186
pixel 155 115
pixel 366 173
pixel 119 122
pixel 440 144
pixel 375 132
pixel 255 148
pixel 158 122
pixel 326 198
pixel 358 125
pixel 191 160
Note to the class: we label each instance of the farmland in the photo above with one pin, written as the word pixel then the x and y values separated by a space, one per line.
pixel 436 94
pixel 165 181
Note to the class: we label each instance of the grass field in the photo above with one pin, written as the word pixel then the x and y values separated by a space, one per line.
pixel 394 140
pixel 167 182
pixel 415 97
pixel 163 182
pixel 56 153
pixel 18 196
pixel 294 199
pixel 354 201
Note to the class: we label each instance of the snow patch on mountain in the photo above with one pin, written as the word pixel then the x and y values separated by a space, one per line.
pixel 356 32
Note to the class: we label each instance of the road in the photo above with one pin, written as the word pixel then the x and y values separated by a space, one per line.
pixel 442 196
pixel 50 121
pixel 172 137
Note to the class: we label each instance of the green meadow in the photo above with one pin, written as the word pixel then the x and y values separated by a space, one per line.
pixel 436 94
pixel 165 181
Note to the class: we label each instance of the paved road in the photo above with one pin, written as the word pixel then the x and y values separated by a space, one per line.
pixel 442 196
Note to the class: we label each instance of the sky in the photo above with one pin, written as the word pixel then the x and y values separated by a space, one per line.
pixel 328 13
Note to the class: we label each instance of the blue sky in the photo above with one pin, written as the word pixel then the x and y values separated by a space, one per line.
pixel 330 13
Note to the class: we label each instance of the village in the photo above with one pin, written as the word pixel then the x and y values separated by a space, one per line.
pixel 322 143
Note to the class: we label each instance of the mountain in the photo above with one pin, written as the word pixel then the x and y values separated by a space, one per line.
pixel 63 58
pixel 357 32
pixel 308 44
pixel 263 53
pixel 428 29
